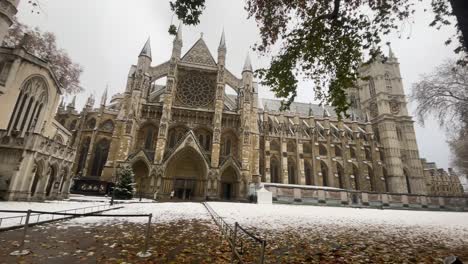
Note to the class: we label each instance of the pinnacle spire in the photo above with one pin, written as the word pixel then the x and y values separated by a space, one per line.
pixel 391 55
pixel 367 120
pixel 90 102
pixel 179 32
pixel 325 112
pixel 104 96
pixel 247 64
pixel 222 42
pixel 72 103
pixel 146 51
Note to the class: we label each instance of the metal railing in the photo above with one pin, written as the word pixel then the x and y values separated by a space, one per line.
pixel 236 237
pixel 22 251
pixel 12 221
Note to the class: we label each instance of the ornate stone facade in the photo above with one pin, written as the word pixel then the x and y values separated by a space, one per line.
pixel 440 182
pixel 189 136
pixel 35 155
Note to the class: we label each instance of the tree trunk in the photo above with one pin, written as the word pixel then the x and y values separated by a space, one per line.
pixel 460 10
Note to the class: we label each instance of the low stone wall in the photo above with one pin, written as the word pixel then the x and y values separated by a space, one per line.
pixel 315 195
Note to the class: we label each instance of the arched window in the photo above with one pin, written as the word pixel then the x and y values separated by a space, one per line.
pixel 274 168
pixel 200 139
pixel 340 172
pixel 291 172
pixel 376 134
pixel 107 125
pixel 308 174
pixel 83 155
pixel 227 149
pixel 356 177
pixel 28 107
pixel 338 152
pixel 385 175
pixel 368 154
pixel 388 82
pixel 73 125
pixel 4 70
pixel 91 124
pixel 172 140
pixel 50 182
pixel 352 151
pixel 370 173
pixel 149 139
pixel 371 87
pixel 307 148
pixel 207 142
pixel 291 147
pixel 274 146
pixel 37 177
pixel 100 157
pixel 322 150
pixel 324 171
pixel 59 139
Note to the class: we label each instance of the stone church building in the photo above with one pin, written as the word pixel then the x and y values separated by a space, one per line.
pixel 179 130
pixel 189 136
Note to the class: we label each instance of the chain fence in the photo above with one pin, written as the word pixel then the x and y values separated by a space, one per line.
pixel 242 241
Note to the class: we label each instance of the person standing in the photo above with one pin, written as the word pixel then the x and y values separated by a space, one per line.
pixel 172 194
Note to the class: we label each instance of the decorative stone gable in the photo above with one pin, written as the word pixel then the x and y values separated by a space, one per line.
pixel 199 54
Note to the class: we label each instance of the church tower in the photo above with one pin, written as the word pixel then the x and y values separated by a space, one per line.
pixel 7 12
pixel 381 97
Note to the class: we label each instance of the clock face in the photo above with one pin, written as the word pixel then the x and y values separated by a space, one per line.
pixel 394 107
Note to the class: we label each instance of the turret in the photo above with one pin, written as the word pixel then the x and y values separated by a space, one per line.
pixel 90 102
pixel 104 97
pixel 71 105
pixel 144 59
pixel 391 55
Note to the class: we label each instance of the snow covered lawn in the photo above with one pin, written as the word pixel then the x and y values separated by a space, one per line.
pixel 49 206
pixel 280 217
pixel 162 213
pixel 316 234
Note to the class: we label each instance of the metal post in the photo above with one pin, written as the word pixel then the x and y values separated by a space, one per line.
pixel 233 244
pixel 145 253
pixel 21 251
pixel 112 198
pixel 262 252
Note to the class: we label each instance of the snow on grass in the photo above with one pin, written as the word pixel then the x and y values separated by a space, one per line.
pixel 106 199
pixel 49 206
pixel 162 213
pixel 283 217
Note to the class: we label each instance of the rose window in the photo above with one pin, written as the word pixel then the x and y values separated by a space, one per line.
pixel 195 90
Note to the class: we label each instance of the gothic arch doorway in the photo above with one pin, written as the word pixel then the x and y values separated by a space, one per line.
pixel 143 183
pixel 186 175
pixel 229 184
pixel 36 179
pixel 51 180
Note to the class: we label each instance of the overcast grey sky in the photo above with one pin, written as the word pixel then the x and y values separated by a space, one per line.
pixel 106 36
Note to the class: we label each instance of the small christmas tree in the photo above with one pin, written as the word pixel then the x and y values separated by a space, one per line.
pixel 124 188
